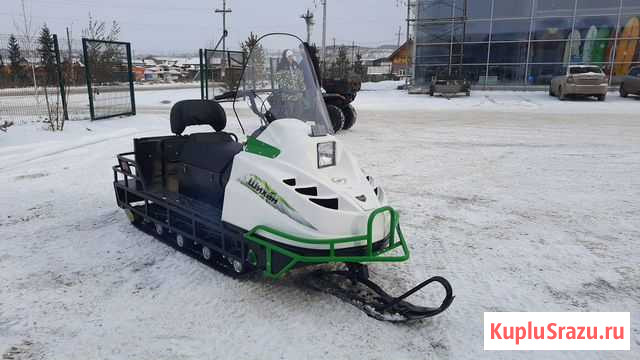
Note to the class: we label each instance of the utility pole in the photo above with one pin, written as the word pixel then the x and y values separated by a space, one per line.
pixel 399 33
pixel 324 36
pixel 224 12
pixel 409 65
pixel 353 51
pixel 408 18
pixel 72 77
pixel 308 19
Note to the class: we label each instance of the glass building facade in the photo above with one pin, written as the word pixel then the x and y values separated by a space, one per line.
pixel 524 42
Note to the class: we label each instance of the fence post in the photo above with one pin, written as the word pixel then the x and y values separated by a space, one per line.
pixel 131 88
pixel 61 82
pixel 201 78
pixel 87 73
pixel 206 75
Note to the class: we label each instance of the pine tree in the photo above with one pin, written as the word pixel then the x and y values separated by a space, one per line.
pixel 2 77
pixel 340 68
pixel 47 53
pixel 358 68
pixel 313 53
pixel 15 57
pixel 256 60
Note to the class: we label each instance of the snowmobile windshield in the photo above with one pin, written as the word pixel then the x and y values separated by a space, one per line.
pixel 279 81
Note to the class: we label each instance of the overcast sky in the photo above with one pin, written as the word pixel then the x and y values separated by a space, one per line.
pixel 184 26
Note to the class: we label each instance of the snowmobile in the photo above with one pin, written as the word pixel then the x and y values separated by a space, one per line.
pixel 286 195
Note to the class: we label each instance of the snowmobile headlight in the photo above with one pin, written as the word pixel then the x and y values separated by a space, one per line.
pixel 326 154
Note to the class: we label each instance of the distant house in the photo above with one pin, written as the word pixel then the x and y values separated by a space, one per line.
pixel 138 73
pixel 168 69
pixel 150 74
pixel 149 62
pixel 400 59
pixel 379 68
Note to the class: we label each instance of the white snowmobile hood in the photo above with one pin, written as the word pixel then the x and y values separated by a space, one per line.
pixel 299 149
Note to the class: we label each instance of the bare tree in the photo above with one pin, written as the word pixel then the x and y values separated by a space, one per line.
pixel 47 52
pixel 97 30
pixel 100 55
pixel 25 29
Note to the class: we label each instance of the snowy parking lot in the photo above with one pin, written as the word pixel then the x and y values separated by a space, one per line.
pixel 523 202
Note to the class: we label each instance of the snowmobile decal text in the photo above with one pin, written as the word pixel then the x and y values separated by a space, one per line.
pixel 264 191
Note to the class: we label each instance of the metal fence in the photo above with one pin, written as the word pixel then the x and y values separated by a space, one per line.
pixel 109 74
pixel 31 86
pixel 221 71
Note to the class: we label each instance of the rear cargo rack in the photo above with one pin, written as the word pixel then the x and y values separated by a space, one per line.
pixel 129 168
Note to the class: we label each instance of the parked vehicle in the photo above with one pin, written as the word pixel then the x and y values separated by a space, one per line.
pixel 580 80
pixel 448 85
pixel 631 83
pixel 340 91
pixel 339 95
pixel 291 195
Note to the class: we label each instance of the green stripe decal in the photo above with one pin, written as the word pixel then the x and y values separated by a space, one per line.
pixel 258 147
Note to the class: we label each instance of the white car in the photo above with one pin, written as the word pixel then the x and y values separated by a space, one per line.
pixel 580 80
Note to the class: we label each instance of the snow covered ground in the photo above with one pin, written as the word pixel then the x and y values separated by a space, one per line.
pixel 523 202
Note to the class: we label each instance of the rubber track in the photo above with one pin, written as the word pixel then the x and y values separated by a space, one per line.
pixel 216 262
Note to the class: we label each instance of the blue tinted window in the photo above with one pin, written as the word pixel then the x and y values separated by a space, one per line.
pixel 508 52
pixel 631 4
pixel 597 7
pixel 471 73
pixel 603 25
pixel 425 73
pixel 432 54
pixel 542 74
pixel 511 8
pixel 509 30
pixel 554 7
pixel 547 51
pixel 479 9
pixel 551 28
pixel 475 53
pixel 507 74
pixel 433 32
pixel 476 31
pixel 435 9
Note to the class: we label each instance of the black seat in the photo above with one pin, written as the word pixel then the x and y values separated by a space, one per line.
pixel 197 112
pixel 210 151
pixel 206 157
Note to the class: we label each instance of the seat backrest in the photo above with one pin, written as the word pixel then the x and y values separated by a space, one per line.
pixel 197 112
pixel 210 151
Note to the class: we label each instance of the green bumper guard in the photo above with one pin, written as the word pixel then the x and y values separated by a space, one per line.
pixel 370 255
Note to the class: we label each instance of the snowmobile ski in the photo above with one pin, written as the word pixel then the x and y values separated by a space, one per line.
pixel 354 286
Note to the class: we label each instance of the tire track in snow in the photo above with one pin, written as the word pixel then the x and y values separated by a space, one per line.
pixel 71 148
